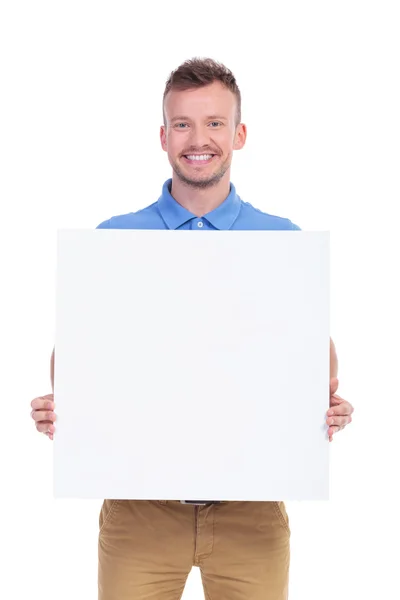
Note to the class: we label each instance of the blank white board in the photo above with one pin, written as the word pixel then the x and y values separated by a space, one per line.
pixel 192 366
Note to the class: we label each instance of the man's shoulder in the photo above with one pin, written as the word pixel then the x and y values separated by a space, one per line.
pixel 145 218
pixel 263 220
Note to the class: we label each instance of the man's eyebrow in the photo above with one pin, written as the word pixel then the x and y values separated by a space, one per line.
pixel 184 118
pixel 217 117
pixel 180 118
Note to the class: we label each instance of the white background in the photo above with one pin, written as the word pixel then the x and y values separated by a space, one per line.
pixel 81 87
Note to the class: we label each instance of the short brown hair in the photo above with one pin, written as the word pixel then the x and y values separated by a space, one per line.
pixel 198 72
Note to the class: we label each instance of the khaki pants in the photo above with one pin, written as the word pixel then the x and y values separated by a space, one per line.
pixel 148 548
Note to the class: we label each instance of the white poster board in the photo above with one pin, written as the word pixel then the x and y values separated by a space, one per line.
pixel 192 366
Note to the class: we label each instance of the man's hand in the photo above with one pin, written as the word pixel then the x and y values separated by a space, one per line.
pixel 339 414
pixel 43 414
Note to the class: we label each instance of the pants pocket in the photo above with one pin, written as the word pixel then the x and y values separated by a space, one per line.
pixel 107 513
pixel 282 515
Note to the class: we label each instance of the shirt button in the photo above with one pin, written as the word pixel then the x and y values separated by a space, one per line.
pixel 200 224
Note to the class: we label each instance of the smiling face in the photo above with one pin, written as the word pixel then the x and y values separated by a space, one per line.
pixel 200 134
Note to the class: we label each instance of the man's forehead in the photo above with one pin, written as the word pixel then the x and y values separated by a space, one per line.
pixel 207 101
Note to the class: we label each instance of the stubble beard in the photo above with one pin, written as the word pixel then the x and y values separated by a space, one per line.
pixel 205 183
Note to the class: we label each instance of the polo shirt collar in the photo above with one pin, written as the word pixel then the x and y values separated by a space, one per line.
pixel 176 215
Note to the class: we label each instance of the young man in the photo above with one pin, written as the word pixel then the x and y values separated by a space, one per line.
pixel 147 548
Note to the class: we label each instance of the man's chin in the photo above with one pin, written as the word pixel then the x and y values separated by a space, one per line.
pixel 200 184
pixel 200 181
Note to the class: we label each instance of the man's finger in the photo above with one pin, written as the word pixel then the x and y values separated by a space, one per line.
pixel 332 431
pixel 337 399
pixel 45 427
pixel 339 421
pixel 344 408
pixel 43 403
pixel 41 415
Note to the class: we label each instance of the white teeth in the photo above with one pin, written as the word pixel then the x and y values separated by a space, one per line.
pixel 201 157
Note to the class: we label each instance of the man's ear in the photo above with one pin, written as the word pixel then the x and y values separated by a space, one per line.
pixel 240 137
pixel 163 137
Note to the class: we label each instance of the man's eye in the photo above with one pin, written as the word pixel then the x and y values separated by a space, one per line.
pixel 215 123
pixel 181 125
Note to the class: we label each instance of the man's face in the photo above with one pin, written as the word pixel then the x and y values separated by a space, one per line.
pixel 201 133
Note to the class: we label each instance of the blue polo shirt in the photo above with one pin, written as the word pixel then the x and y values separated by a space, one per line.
pixel 167 213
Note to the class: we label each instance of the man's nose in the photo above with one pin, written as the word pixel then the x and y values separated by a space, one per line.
pixel 200 138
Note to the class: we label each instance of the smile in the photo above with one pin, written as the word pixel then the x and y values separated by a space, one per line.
pixel 199 159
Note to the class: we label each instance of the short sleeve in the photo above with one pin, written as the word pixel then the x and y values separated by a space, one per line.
pixel 104 225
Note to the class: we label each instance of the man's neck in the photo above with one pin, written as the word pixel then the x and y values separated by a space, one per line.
pixel 200 201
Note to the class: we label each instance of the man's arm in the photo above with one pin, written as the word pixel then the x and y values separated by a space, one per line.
pixel 43 408
pixel 340 411
pixel 333 360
